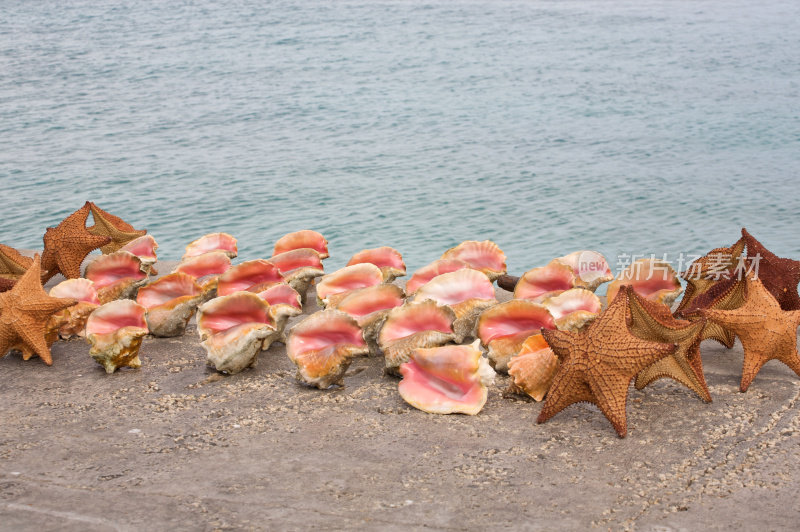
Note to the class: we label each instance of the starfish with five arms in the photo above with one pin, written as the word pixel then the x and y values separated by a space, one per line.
pixel 598 364
pixel 705 272
pixel 114 227
pixel 66 245
pixel 24 313
pixel 780 276
pixel 767 332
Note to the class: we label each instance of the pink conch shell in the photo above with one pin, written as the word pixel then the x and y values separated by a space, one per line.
pixel 389 260
pixel 334 286
pixel 483 256
pixel 117 275
pixel 504 327
pixel 299 267
pixel 212 242
pixel 284 303
pixel 590 267
pixel 115 331
pixel 322 347
pixel 468 292
pixel 252 275
pixel 71 321
pixel 170 302
pixel 434 269
pixel 650 278
pixel 573 309
pixel 143 247
pixel 234 329
pixel 302 239
pixel 533 369
pixel 411 326
pixel 206 269
pixel 446 380
pixel 540 283
pixel 369 307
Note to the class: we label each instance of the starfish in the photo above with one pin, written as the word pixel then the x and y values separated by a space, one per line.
pixel 6 284
pixel 13 265
pixel 598 364
pixel 718 264
pixel 106 224
pixel 767 332
pixel 24 313
pixel 727 294
pixel 653 321
pixel 780 276
pixel 66 245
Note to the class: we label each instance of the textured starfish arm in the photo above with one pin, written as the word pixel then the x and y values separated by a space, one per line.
pixel 567 388
pixel 561 342
pixel 633 355
pixel 33 336
pixel 612 399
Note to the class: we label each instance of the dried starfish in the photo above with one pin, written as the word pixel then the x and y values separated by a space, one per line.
pixel 24 313
pixel 13 265
pixel 598 364
pixel 66 245
pixel 767 332
pixel 106 224
pixel 654 321
pixel 780 276
pixel 716 265
pixel 6 284
pixel 727 294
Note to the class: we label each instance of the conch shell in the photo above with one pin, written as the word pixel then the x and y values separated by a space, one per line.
pixel 302 239
pixel 252 275
pixel 322 347
pixel 369 307
pixel 446 380
pixel 170 302
pixel 143 247
pixel 115 331
pixel 212 242
pixel 334 286
pixel 411 326
pixel 652 279
pixel 504 327
pixel 299 267
pixel 117 275
pixel 468 292
pixel 591 268
pixel 434 269
pixel 284 303
pixel 71 321
pixel 484 256
pixel 550 280
pixel 573 309
pixel 234 329
pixel 532 371
pixel 389 260
pixel 206 269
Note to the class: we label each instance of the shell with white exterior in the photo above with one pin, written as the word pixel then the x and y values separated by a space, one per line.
pixel 115 331
pixel 591 268
pixel 369 307
pixel 334 286
pixel 538 284
pixel 434 269
pixel 573 309
pixel 117 275
pixel 504 327
pixel 170 302
pixel 299 267
pixel 71 321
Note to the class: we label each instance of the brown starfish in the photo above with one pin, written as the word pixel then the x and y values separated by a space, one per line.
pixel 106 224
pixel 24 313
pixel 13 265
pixel 716 265
pixel 780 276
pixel 66 245
pixel 767 332
pixel 598 364
pixel 727 294
pixel 6 284
pixel 651 320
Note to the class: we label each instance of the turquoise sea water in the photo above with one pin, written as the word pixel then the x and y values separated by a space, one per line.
pixel 628 127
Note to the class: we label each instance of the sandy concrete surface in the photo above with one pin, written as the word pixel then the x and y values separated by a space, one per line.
pixel 176 446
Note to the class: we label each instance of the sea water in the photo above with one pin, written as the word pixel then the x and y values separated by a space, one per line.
pixel 627 127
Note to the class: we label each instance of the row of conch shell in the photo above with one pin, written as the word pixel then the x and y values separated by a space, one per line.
pixel 115 331
pixel 252 276
pixel 533 369
pixel 171 302
pixel 333 287
pixel 370 307
pixel 467 292
pixel 411 326
pixel 143 247
pixel 573 309
pixel 299 267
pixel 434 269
pixel 446 380
pixel 71 321
pixel 323 345
pixel 484 256
pixel 504 327
pixel 206 269
pixel 118 275
pixel 580 269
pixel 651 278
pixel 306 238
pixel 212 242
pixel 389 260
pixel 284 303
pixel 234 329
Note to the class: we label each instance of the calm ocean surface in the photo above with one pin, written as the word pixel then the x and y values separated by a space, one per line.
pixel 627 127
